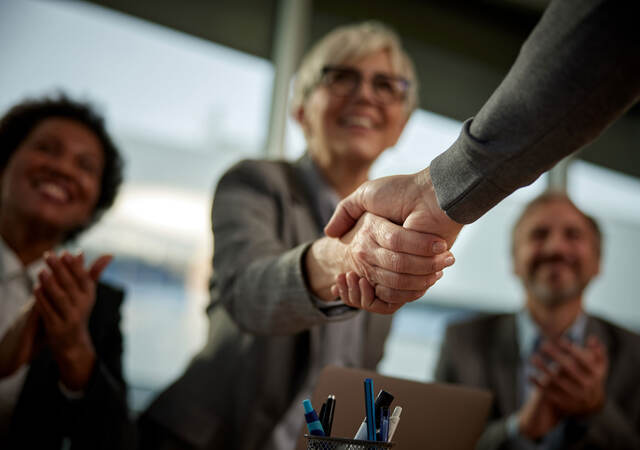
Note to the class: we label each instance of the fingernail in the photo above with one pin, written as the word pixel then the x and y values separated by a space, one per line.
pixel 439 247
pixel 449 260
pixel 439 274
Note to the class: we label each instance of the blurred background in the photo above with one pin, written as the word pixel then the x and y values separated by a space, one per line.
pixel 190 87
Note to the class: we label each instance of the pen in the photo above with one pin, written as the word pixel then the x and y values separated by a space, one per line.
pixel 384 424
pixel 331 407
pixel 369 409
pixel 394 420
pixel 323 416
pixel 311 417
pixel 383 400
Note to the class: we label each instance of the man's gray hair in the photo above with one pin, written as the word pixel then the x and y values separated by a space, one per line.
pixel 352 42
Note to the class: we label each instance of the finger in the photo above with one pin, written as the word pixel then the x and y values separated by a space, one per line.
pixel 50 316
pixel 335 292
pixel 354 288
pixel 598 349
pixel 401 281
pixel 367 291
pixel 54 294
pixel 368 301
pixel 75 264
pixel 381 307
pixel 343 290
pixel 346 215
pixel 566 363
pixel 547 371
pixel 397 296
pixel 582 357
pixel 410 264
pixel 99 265
pixel 558 399
pixel 398 239
pixel 391 295
pixel 63 277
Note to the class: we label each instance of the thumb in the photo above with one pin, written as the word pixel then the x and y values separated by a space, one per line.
pixel 346 215
pixel 98 266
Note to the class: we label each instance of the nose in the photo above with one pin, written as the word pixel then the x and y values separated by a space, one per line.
pixel 364 91
pixel 63 165
pixel 556 243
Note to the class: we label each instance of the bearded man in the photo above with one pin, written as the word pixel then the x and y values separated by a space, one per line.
pixel 562 379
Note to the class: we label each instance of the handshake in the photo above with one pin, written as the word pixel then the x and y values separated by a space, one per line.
pixel 393 244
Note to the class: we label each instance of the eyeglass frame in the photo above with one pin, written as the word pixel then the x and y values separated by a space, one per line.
pixel 395 78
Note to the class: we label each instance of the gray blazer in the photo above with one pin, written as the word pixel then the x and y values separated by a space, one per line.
pixel 265 331
pixel 484 353
pixel 577 72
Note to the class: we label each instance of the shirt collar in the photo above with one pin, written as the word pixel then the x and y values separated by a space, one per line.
pixel 11 266
pixel 324 197
pixel 529 334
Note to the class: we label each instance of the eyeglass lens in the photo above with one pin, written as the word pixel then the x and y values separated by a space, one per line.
pixel 344 81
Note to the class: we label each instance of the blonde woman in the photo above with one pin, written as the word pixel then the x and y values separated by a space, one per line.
pixel 274 322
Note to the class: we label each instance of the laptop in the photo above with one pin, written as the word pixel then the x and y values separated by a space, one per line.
pixel 434 415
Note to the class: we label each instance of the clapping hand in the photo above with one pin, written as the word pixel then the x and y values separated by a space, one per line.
pixel 64 300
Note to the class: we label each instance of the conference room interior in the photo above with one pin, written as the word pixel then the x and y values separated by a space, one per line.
pixel 189 88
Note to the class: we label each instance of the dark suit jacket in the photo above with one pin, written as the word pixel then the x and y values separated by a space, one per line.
pixel 264 328
pixel 484 353
pixel 44 417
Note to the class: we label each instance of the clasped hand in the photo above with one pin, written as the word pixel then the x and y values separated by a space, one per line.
pixel 409 200
pixel 399 264
pixel 64 299
pixel 570 383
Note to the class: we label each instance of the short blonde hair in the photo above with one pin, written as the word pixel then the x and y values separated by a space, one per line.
pixel 353 42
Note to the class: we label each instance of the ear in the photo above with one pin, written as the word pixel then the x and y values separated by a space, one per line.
pixel 299 116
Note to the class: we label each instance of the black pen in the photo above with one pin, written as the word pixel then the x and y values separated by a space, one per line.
pixel 323 416
pixel 331 407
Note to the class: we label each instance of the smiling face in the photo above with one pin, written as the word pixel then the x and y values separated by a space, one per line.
pixel 355 127
pixel 53 177
pixel 556 252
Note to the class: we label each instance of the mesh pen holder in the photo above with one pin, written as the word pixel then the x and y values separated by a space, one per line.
pixel 335 443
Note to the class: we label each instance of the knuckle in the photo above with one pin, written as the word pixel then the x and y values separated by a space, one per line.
pixel 393 239
pixel 395 262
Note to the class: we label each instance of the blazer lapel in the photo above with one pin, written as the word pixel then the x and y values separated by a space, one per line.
pixel 504 365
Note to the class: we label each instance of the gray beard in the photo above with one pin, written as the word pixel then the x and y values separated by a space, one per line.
pixel 554 297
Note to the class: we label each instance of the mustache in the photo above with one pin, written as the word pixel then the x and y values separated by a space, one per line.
pixel 554 258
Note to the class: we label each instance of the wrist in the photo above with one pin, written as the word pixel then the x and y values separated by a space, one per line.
pixel 322 263
pixel 76 364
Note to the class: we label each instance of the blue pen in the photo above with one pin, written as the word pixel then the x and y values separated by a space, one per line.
pixel 311 417
pixel 370 411
pixel 384 425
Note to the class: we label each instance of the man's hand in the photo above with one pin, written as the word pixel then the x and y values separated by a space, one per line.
pixel 575 380
pixel 538 416
pixel 402 264
pixel 65 299
pixel 409 200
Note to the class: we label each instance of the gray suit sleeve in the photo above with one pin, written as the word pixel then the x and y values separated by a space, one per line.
pixel 577 72
pixel 257 277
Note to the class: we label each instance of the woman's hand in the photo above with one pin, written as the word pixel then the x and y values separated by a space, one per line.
pixel 401 264
pixel 64 299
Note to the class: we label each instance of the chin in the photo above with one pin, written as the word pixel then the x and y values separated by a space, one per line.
pixel 554 295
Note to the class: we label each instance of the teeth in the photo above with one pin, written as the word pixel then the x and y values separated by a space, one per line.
pixel 54 191
pixel 359 121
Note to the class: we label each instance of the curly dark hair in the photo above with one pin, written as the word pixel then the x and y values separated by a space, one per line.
pixel 22 118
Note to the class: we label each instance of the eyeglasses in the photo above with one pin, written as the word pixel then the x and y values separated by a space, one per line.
pixel 345 81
